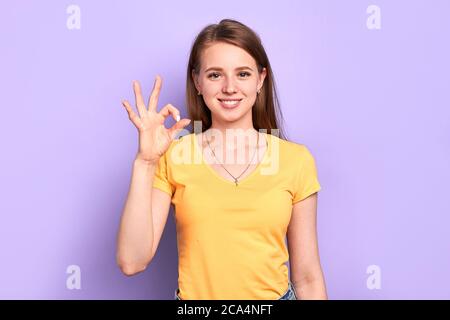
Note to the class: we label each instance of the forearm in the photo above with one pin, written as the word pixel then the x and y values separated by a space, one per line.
pixel 313 289
pixel 135 237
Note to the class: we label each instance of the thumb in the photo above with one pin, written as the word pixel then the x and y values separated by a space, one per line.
pixel 177 127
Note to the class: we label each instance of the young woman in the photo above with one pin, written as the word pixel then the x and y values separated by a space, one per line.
pixel 232 216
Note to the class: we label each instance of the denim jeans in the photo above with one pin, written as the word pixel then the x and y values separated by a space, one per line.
pixel 288 295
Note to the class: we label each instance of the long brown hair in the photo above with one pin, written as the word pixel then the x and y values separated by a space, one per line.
pixel 266 112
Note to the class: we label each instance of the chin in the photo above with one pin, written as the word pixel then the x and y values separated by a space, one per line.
pixel 234 115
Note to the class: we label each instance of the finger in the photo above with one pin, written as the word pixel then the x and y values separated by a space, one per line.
pixel 153 100
pixel 139 100
pixel 177 127
pixel 130 111
pixel 170 109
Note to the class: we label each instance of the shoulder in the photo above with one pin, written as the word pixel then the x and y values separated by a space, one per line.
pixel 180 149
pixel 181 140
pixel 292 150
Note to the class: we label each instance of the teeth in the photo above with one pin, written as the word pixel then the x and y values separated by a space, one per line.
pixel 230 102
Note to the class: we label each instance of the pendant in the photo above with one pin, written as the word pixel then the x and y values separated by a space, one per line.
pixel 236 181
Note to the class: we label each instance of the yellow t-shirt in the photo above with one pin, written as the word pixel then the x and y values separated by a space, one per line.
pixel 231 239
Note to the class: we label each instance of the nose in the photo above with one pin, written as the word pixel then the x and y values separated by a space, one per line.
pixel 229 86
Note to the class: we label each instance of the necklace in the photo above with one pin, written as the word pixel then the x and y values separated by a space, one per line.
pixel 236 178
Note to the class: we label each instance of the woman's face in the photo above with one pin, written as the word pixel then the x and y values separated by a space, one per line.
pixel 228 72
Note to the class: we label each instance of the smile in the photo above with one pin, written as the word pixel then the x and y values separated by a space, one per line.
pixel 229 103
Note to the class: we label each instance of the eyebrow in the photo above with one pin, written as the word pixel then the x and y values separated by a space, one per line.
pixel 220 69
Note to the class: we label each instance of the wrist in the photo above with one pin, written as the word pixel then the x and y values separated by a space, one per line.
pixel 145 162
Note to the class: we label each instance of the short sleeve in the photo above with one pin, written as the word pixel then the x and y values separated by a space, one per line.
pixel 161 179
pixel 306 182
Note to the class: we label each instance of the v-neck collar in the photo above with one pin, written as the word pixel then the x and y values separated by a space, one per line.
pixel 199 152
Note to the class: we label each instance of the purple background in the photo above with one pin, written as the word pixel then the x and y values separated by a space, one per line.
pixel 372 106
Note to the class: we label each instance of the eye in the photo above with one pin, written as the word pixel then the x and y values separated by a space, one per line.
pixel 245 73
pixel 211 75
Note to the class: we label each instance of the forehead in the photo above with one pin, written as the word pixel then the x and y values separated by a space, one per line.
pixel 226 56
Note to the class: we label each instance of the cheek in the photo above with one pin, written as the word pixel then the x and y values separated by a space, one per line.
pixel 249 88
pixel 211 88
pixel 250 101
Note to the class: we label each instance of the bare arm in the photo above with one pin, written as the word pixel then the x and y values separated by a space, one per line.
pixel 146 209
pixel 136 234
pixel 306 272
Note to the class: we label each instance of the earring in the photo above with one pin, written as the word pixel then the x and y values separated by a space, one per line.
pixel 198 93
pixel 259 91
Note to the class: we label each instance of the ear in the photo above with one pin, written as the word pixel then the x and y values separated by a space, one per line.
pixel 262 76
pixel 195 79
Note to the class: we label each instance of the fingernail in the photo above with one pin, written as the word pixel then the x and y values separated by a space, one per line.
pixel 178 118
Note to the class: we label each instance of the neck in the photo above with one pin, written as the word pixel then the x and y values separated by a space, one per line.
pixel 243 125
pixel 232 139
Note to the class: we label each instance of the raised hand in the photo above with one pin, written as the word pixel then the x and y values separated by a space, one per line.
pixel 154 137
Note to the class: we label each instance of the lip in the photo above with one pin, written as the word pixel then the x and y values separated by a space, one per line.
pixel 226 106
